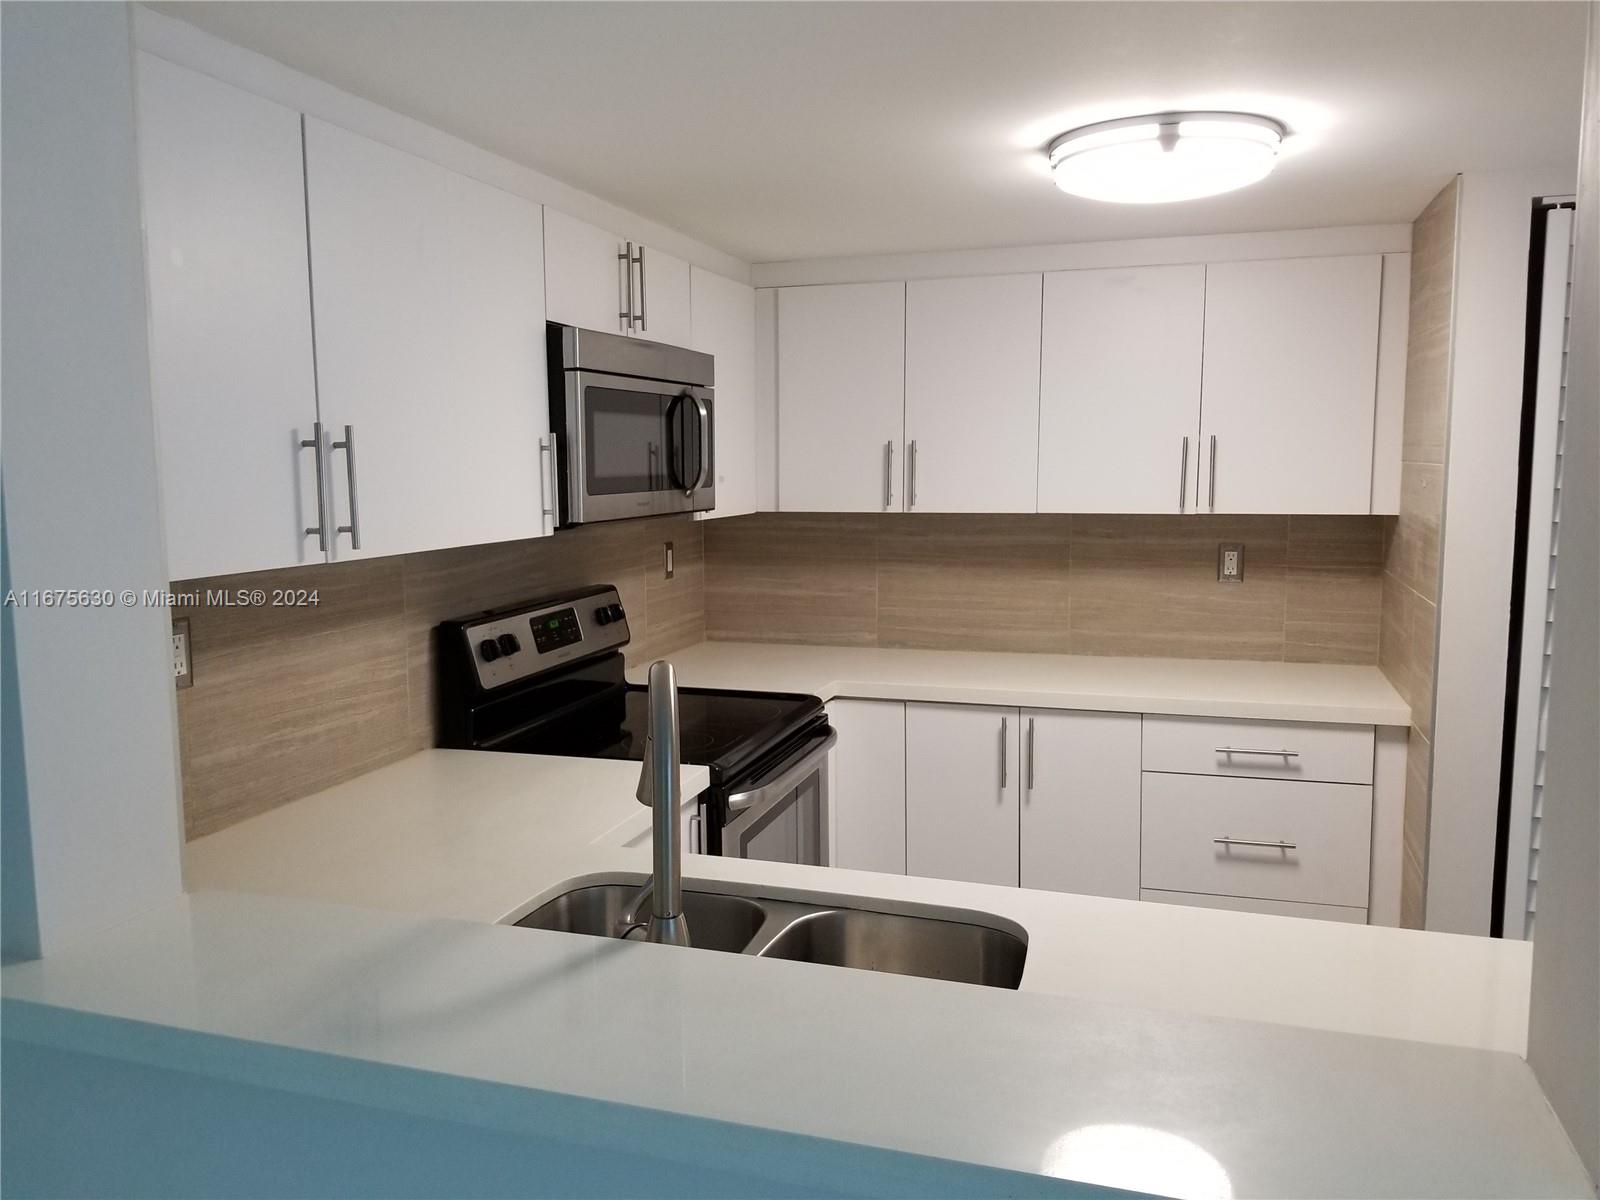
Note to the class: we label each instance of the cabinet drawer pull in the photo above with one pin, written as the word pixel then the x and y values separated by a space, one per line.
pixel 1183 478
pixel 348 445
pixel 1228 841
pixel 1267 753
pixel 911 476
pixel 1030 754
pixel 888 473
pixel 315 442
pixel 1212 481
pixel 1004 774
pixel 625 257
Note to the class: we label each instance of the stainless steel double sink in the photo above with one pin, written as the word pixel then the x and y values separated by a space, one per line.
pixel 928 942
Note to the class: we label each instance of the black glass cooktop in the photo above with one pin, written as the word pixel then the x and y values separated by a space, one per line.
pixel 725 730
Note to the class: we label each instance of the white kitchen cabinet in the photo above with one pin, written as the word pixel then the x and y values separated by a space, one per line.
pixel 1288 397
pixel 430 347
pixel 1268 839
pixel 1080 802
pixel 596 279
pixel 841 398
pixel 725 328
pixel 972 394
pixel 962 789
pixel 230 322
pixel 868 785
pixel 1119 399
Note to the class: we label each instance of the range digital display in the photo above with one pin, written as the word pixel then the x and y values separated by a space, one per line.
pixel 553 630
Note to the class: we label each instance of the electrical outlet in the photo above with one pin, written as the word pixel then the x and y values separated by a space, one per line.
pixel 181 670
pixel 1230 562
pixel 666 558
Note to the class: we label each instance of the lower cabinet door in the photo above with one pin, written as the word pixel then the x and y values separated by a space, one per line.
pixel 868 787
pixel 962 789
pixel 1080 802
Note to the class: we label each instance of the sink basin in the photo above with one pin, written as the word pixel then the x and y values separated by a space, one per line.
pixel 903 945
pixel 930 943
pixel 716 922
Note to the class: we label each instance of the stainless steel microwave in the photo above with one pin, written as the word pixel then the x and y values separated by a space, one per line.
pixel 632 423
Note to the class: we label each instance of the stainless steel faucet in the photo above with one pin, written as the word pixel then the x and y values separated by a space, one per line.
pixel 661 791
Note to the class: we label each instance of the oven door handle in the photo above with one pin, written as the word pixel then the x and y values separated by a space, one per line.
pixel 785 777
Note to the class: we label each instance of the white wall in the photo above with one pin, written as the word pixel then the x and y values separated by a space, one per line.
pixel 1564 1016
pixel 94 689
pixel 1479 532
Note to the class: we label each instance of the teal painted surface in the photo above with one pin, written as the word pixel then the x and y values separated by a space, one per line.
pixel 19 913
pixel 95 1106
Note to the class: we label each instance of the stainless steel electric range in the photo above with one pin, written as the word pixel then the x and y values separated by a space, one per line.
pixel 546 677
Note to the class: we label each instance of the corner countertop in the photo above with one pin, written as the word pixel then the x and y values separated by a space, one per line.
pixel 1128 1023
pixel 1337 694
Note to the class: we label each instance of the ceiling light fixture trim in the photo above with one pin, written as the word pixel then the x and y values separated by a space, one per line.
pixel 1159 158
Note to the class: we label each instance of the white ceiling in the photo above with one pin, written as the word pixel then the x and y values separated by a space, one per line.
pixel 795 130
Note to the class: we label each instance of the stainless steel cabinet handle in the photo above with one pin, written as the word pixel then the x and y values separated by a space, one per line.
pixel 1183 477
pixel 888 473
pixel 1004 773
pixel 1228 841
pixel 644 295
pixel 1212 483
pixel 911 475
pixel 547 481
pixel 348 445
pixel 314 442
pixel 1030 754
pixel 1267 753
pixel 697 833
pixel 625 257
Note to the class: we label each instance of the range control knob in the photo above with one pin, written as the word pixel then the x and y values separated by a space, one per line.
pixel 489 649
pixel 602 615
pixel 616 612
pixel 508 643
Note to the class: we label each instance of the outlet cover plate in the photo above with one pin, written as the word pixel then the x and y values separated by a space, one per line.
pixel 182 659
pixel 1230 562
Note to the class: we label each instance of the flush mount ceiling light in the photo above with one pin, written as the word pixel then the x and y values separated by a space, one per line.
pixel 1163 157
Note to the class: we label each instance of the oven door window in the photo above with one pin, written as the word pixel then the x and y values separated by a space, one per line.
pixel 640 441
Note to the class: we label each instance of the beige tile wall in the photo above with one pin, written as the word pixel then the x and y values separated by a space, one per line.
pixel 1408 643
pixel 1125 585
pixel 287 701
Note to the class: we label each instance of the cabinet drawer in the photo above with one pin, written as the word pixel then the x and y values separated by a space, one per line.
pixel 1194 830
pixel 1259 749
pixel 1274 908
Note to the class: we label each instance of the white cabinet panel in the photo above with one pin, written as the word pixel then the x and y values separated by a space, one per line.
pixel 583 277
pixel 230 323
pixel 430 322
pixel 869 785
pixel 725 328
pixel 1198 830
pixel 665 298
pixel 962 785
pixel 1288 399
pixel 1259 749
pixel 972 394
pixel 841 397
pixel 1120 393
pixel 1275 908
pixel 1080 802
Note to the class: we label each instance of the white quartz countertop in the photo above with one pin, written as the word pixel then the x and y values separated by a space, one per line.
pixel 1217 1042
pixel 1178 686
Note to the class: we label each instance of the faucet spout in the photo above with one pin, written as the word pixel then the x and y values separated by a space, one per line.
pixel 661 790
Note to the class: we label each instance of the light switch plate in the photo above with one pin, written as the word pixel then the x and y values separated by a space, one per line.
pixel 182 667
pixel 1230 562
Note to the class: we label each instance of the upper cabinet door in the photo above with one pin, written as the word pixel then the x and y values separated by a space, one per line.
pixel 585 275
pixel 430 346
pixel 230 323
pixel 972 394
pixel 841 397
pixel 1287 403
pixel 1119 403
pixel 725 328
pixel 962 785
pixel 664 298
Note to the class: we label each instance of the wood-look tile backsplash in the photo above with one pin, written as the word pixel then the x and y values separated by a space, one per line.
pixel 1120 585
pixel 287 701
